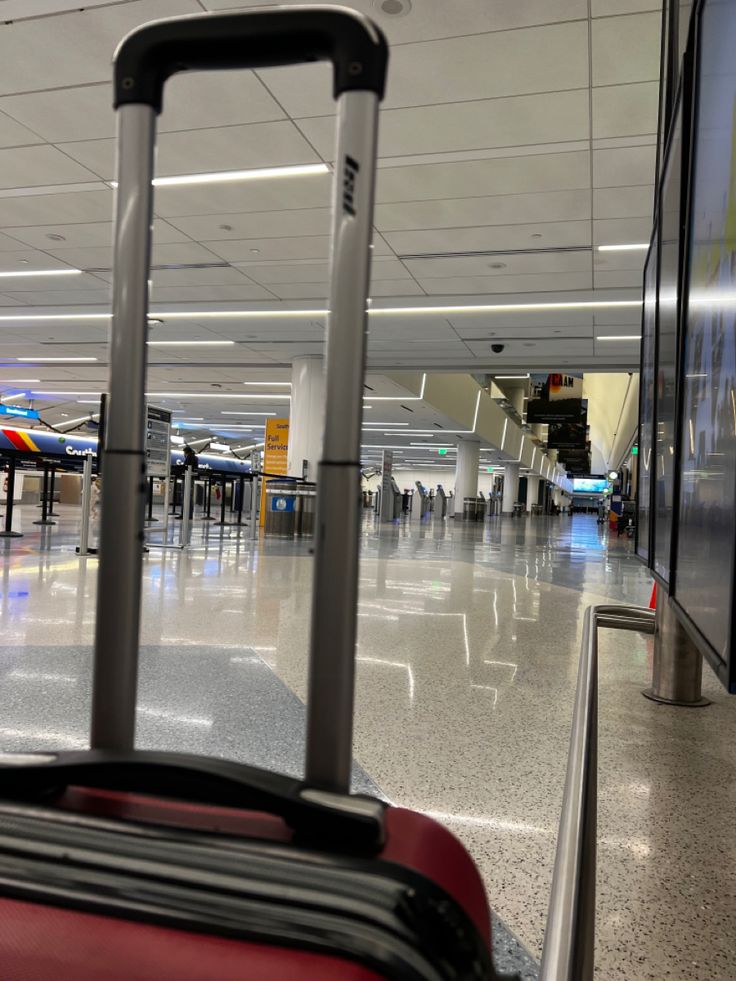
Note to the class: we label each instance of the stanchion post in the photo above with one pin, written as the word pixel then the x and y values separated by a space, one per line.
pixel 52 489
pixel 167 487
pixel 241 493
pixel 677 668
pixel 186 520
pixel 86 503
pixel 9 533
pixel 45 499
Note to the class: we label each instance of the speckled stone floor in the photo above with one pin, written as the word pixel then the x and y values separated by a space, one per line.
pixel 468 650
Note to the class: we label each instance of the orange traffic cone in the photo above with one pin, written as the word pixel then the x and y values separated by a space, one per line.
pixel 653 599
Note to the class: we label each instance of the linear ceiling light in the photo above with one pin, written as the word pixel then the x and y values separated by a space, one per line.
pixel 626 247
pixel 15 273
pixel 619 337
pixel 73 422
pixel 33 358
pixel 189 343
pixel 226 176
pixel 20 381
pixel 510 377
pixel 234 412
pixel 61 393
pixel 280 384
pixel 266 396
pixel 88 401
pixel 505 307
pixel 12 398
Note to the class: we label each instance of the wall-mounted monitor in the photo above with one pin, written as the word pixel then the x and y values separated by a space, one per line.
pixel 671 239
pixel 647 380
pixel 589 485
pixel 703 588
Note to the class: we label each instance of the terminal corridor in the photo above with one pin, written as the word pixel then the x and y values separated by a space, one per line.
pixel 467 660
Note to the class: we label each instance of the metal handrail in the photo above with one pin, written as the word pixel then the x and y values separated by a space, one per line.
pixel 569 938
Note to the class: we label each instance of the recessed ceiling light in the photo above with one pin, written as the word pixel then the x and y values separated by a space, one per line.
pixel 14 274
pixel 227 176
pixel 190 343
pixel 629 247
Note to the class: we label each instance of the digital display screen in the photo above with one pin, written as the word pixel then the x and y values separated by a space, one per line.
pixel 670 242
pixel 707 505
pixel 589 485
pixel 646 402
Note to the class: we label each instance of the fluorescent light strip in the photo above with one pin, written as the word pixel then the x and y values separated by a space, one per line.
pixel 266 397
pixel 279 384
pixel 190 343
pixel 12 398
pixel 73 422
pixel 88 401
pixel 15 274
pixel 49 360
pixel 619 337
pixel 227 176
pixel 233 412
pixel 510 377
pixel 373 312
pixel 369 425
pixel 20 381
pixel 627 247
pixel 35 392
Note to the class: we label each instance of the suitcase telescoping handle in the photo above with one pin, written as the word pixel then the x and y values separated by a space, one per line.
pixel 353 823
pixel 144 61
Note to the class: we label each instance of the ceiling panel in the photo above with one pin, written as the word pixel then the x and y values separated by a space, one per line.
pixel 223 276
pixel 624 167
pixel 507 284
pixel 625 110
pixel 512 265
pixel 101 257
pixel 626 49
pixel 226 148
pixel 75 48
pixel 439 19
pixel 230 199
pixel 477 178
pixel 476 66
pixel 608 8
pixel 98 296
pixel 614 278
pixel 491 238
pixel 85 234
pixel 13 134
pixel 497 210
pixel 257 225
pixel 623 202
pixel 42 209
pixel 518 121
pixel 204 294
pixel 37 165
pixel 617 231
pixel 316 272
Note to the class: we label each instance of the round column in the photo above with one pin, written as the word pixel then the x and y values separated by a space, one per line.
pixel 510 487
pixel 532 491
pixel 306 419
pixel 466 473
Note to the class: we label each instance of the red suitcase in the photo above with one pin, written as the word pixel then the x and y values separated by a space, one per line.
pixel 123 864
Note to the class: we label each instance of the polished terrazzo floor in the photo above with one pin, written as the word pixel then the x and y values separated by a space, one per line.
pixel 468 650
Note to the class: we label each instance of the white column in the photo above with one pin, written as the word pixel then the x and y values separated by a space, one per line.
pixel 532 491
pixel 306 420
pixel 466 473
pixel 510 487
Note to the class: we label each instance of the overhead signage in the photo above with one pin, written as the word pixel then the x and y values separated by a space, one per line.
pixel 275 455
pixel 158 440
pixel 19 412
pixel 559 410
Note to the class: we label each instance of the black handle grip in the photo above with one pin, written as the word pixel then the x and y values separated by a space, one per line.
pixel 337 821
pixel 252 39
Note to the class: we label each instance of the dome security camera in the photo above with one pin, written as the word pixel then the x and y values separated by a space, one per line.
pixel 497 348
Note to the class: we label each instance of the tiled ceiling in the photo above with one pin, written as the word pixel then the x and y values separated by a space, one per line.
pixel 516 137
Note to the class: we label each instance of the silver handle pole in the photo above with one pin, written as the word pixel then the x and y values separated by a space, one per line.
pixel 86 505
pixel 335 589
pixel 568 953
pixel 123 493
pixel 186 518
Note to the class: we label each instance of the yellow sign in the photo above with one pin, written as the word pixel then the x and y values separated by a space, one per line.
pixel 275 455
